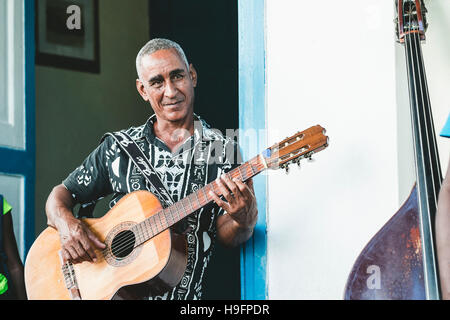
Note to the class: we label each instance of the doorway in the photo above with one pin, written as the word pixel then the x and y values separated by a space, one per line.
pixel 208 33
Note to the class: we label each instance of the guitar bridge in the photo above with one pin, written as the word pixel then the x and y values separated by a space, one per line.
pixel 70 278
pixel 69 275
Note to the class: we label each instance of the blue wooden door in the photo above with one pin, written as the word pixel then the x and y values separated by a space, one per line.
pixel 17 121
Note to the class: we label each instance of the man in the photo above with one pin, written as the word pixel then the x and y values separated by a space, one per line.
pixel 166 81
pixel 443 226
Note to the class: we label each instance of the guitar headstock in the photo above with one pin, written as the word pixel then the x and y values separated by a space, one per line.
pixel 292 149
pixel 410 19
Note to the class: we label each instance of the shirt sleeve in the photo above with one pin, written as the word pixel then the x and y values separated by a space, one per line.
pixel 6 206
pixel 90 181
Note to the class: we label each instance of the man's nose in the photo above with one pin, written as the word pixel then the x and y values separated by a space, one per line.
pixel 170 90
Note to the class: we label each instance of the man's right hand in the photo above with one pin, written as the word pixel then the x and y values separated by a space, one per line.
pixel 78 242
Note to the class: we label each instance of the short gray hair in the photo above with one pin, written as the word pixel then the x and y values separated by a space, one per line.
pixel 155 45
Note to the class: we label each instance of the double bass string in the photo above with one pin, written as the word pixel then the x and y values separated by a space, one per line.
pixel 411 40
pixel 421 76
pixel 432 144
pixel 433 134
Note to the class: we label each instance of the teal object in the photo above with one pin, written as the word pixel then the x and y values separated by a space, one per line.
pixel 446 130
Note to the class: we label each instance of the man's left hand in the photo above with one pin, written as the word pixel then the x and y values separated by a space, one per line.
pixel 240 201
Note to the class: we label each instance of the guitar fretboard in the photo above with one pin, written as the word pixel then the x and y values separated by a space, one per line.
pixel 191 203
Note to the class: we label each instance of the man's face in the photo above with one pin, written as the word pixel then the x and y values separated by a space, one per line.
pixel 168 84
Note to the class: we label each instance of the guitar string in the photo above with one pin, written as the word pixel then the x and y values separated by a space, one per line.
pixel 124 244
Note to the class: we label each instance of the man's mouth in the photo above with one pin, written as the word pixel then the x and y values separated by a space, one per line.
pixel 172 104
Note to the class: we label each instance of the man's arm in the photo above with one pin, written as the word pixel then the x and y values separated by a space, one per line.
pixel 443 235
pixel 235 227
pixel 77 241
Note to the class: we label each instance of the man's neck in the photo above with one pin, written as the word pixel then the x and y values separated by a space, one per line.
pixel 173 133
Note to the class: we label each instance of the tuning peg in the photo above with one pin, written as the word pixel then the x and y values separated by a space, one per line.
pixel 287 169
pixel 298 163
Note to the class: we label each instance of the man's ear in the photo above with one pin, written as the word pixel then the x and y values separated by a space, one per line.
pixel 141 89
pixel 193 74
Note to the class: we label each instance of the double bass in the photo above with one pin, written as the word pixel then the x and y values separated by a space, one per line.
pixel 399 261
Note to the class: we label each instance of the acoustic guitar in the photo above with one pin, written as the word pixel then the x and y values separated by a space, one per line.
pixel 141 250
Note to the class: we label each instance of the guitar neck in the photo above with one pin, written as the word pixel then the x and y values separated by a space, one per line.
pixel 194 201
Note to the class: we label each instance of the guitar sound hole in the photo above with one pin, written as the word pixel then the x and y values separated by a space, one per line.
pixel 123 244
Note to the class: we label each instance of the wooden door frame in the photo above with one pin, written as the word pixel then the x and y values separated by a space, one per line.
pixel 252 116
pixel 21 162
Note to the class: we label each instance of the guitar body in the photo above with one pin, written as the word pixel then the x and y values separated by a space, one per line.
pixel 160 261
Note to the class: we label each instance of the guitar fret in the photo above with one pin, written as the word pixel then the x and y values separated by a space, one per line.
pixel 169 212
pixel 184 208
pixel 152 225
pixel 177 210
pixel 141 233
pixel 147 234
pixel 190 203
pixel 137 232
pixel 158 225
pixel 161 221
pixel 162 218
pixel 198 200
pixel 248 169
pixel 206 196
pixel 172 213
pixel 240 173
pixel 253 170
pixel 214 186
pixel 169 217
pixel 156 222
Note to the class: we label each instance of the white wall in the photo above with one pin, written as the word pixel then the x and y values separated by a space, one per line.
pixel 436 51
pixel 334 63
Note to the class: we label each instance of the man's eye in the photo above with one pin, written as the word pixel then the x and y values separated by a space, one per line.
pixel 177 76
pixel 156 83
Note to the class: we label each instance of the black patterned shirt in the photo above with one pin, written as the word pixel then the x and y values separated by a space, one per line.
pixel 108 170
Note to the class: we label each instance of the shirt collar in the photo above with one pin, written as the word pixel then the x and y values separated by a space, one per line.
pixel 200 129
